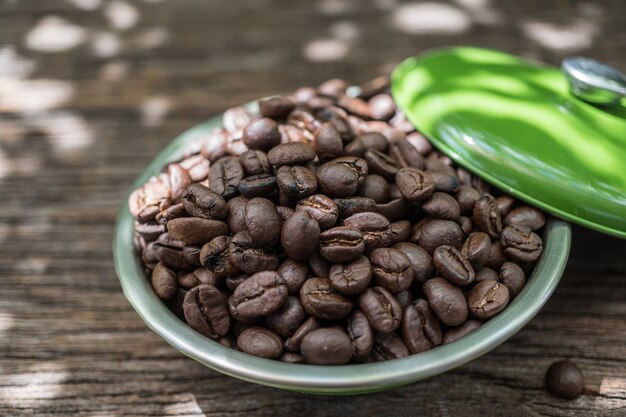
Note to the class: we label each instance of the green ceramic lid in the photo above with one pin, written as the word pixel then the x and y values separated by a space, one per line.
pixel 516 124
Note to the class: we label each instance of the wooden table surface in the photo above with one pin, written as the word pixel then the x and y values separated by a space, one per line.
pixel 90 90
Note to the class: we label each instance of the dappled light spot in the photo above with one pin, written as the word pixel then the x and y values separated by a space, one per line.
pixel 106 44
pixel 114 70
pixel 87 4
pixel 430 18
pixel 612 393
pixel 481 11
pixel 572 37
pixel 23 96
pixel 13 65
pixel 327 49
pixel 334 7
pixel 54 34
pixel 345 30
pixel 69 133
pixel 32 265
pixel 185 405
pixel 154 110
pixel 33 385
pixel 121 15
pixel 151 38
pixel 7 322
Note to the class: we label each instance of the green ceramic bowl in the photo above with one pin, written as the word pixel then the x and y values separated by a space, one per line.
pixel 346 379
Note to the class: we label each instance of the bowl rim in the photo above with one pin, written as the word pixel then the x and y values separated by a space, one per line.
pixel 344 379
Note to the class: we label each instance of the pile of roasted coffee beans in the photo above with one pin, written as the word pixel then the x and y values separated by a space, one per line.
pixel 326 230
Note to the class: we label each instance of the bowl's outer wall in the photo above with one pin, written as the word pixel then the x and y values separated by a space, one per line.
pixel 346 379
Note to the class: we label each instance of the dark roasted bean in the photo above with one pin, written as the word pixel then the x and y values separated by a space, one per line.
pixel 215 255
pixel 341 244
pixel 382 107
pixel 276 107
pixel 420 328
pixel 236 217
pixel 361 335
pixel 444 181
pixel 320 208
pixel 328 143
pixel 434 233
pixel 392 269
pixel 376 188
pixel 259 341
pixel 263 222
pixel 233 281
pixel 321 300
pixel 453 265
pixel 299 236
pixel 512 275
pixel 195 230
pixel 414 184
pixel 247 257
pixel 164 282
pixel 484 274
pixel 374 228
pixel 381 164
pixel 486 216
pixel 255 162
pixel 564 380
pixel 525 216
pixel 169 251
pixel 206 312
pixel 423 267
pixel 201 201
pixel 395 210
pixel 354 148
pixel 352 205
pixel 476 248
pixel 197 277
pixel 353 277
pixel 260 295
pixel 505 204
pixel 292 344
pixel 381 308
pixel 455 333
pixel 520 243
pixel 328 346
pixel 487 299
pixel 291 154
pixel 467 196
pixel 287 320
pixel 257 185
pixel 261 134
pixel 294 274
pixel 388 346
pixel 225 175
pixel 446 300
pixel 290 357
pixel 374 140
pixel 296 181
pixel 442 206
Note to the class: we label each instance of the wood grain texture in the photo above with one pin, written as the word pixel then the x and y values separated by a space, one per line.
pixel 77 125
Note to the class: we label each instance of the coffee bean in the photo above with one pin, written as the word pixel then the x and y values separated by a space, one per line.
pixel 342 176
pixel 352 205
pixel 520 243
pixel 287 320
pixel 285 212
pixel 261 134
pixel 442 206
pixel 321 300
pixel 293 343
pixel 393 270
pixel 149 231
pixel 201 201
pixel 512 275
pixel 422 262
pixel 374 140
pixel 434 233
pixel 446 300
pixel 381 308
pixel 354 148
pixel 299 236
pixel 496 256
pixel 382 107
pixel 257 185
pixel 476 248
pixel 388 346
pixel 453 265
pixel 263 222
pixel 455 333
pixel 319 266
pixel 291 154
pixel 236 217
pixel 420 328
pixel 169 251
pixel 395 209
pixel 414 184
pixel 328 143
pixel 225 175
pixel 487 299
pixel 195 230
pixel 354 106
pixel 215 255
pixel 351 278
pixel 485 274
pixel 296 181
pixel 466 225
pixel 373 87
pixel 175 304
pixel 197 277
pixel 197 166
pixel 374 228
pixel 303 120
pixel 486 216
pixel 205 311
pixel 505 204
pixel 233 281
pixel 261 342
pixel 381 164
pixel 399 231
pixel 289 133
pixel 334 87
pixel 361 335
pixel 249 258
pixel 260 295
pixel 294 274
pixel 376 188
pixel 255 162
pixel 320 208
pixel 164 282
pixel 172 212
pixel 467 196
pixel 406 155
pixel 327 346
pixel 338 119
pixel 341 244
pixel 564 380
pixel 526 216
pixel 276 107
pixel 444 181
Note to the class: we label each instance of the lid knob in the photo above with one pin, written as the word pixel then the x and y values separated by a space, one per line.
pixel 593 81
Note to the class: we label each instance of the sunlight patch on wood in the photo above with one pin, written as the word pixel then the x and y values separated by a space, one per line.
pixel 121 15
pixel 13 65
pixel 32 386
pixel 87 4
pixel 326 49
pixel 187 406
pixel 572 37
pixel 69 133
pixel 24 96
pixel 106 44
pixel 54 34
pixel 154 109
pixel 430 18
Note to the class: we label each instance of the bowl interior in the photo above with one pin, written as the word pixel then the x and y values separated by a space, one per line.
pixel 346 379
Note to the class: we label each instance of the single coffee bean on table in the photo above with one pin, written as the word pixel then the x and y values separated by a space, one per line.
pixel 325 229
